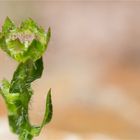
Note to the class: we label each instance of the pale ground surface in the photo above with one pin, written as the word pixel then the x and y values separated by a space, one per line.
pixel 92 66
pixel 51 134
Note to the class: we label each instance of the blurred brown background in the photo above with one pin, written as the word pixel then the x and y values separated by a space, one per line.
pixel 92 65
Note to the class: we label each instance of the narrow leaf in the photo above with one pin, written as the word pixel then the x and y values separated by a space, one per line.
pixel 49 109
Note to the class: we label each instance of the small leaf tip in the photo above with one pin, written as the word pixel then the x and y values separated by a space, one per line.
pixel 50 91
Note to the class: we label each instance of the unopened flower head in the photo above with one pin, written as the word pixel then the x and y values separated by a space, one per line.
pixel 29 41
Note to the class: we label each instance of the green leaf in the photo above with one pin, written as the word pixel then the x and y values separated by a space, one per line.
pixel 25 74
pixel 29 24
pixel 34 51
pixel 3 45
pixel 8 25
pixel 47 116
pixel 49 109
pixel 16 49
pixel 5 87
pixel 48 36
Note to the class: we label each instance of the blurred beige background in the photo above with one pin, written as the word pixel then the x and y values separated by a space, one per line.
pixel 92 65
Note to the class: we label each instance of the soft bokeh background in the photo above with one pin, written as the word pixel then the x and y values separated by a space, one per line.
pixel 92 65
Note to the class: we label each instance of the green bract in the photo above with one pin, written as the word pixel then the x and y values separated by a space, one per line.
pixel 26 45
pixel 29 41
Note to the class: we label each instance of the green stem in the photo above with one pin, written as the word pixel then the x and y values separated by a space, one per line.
pixel 25 136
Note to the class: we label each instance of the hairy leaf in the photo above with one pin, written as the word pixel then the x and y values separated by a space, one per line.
pixel 25 74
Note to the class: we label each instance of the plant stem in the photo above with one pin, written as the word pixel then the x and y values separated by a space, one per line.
pixel 25 136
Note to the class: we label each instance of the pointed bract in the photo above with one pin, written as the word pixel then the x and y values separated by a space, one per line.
pixel 8 25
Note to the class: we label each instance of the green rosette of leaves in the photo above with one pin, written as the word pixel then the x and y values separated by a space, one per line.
pixel 26 44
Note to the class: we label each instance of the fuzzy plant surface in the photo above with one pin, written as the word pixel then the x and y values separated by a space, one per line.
pixel 26 44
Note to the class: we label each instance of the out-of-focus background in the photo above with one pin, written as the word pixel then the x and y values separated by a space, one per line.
pixel 92 65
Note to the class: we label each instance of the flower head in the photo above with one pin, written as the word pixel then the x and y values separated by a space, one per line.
pixel 29 41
